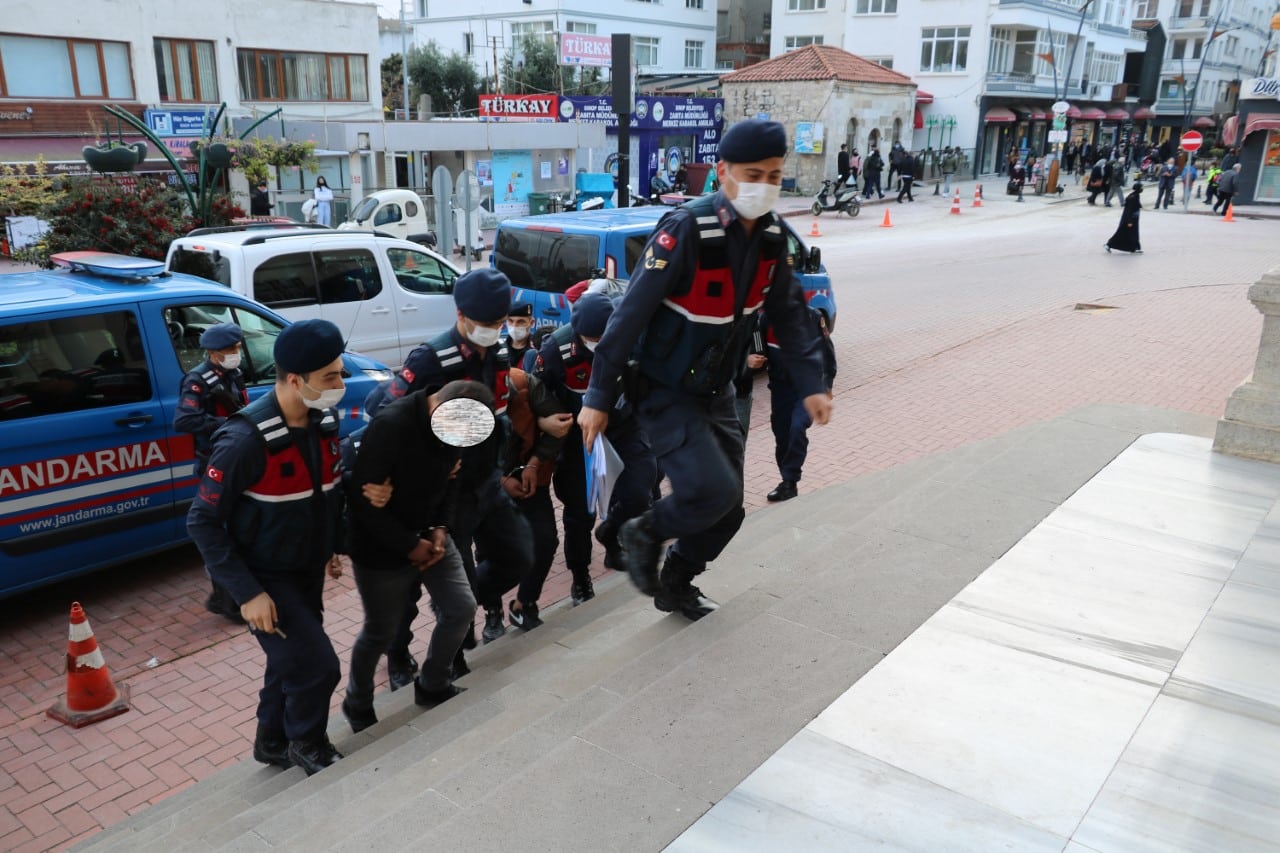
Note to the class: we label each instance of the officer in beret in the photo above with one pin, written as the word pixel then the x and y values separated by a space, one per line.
pixel 485 515
pixel 519 338
pixel 686 322
pixel 212 392
pixel 265 520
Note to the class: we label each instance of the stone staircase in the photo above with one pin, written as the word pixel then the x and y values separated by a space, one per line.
pixel 614 726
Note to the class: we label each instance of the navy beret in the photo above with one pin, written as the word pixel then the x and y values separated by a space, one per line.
pixel 753 140
pixel 307 345
pixel 591 314
pixel 483 295
pixel 521 309
pixel 221 336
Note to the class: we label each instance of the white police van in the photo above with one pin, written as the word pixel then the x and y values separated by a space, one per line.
pixel 92 472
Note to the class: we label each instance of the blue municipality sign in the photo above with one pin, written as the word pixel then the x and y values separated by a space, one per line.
pixel 178 122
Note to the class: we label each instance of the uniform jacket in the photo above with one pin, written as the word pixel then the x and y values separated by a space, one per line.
pixel 208 396
pixel 777 366
pixel 270 502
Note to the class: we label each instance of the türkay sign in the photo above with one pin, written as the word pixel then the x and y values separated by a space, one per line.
pixel 1260 89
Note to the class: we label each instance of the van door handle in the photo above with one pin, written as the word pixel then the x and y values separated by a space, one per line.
pixel 551 312
pixel 383 310
pixel 135 420
pixel 408 307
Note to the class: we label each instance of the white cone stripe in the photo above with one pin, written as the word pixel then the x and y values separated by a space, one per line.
pixel 80 631
pixel 93 660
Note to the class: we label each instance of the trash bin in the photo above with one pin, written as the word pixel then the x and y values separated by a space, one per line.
pixel 538 203
pixel 697 173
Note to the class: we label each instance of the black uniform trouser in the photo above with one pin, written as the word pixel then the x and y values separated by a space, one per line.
pixel 906 188
pixel 302 668
pixel 541 515
pixel 570 482
pixel 699 444
pixel 790 422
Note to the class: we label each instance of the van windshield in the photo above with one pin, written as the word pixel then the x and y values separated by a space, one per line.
pixel 550 261
pixel 364 210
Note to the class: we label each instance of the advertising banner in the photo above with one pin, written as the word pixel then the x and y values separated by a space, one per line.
pixel 652 113
pixel 177 122
pixel 518 107
pixel 512 182
pixel 809 136
pixel 578 49
pixel 1260 88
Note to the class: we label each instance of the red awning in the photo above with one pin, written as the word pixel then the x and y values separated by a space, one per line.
pixel 1203 122
pixel 1032 113
pixel 1261 121
pixel 1092 114
pixel 1230 128
pixel 1074 112
pixel 919 122
pixel 999 115
pixel 923 97
pixel 1144 114
pixel 1117 114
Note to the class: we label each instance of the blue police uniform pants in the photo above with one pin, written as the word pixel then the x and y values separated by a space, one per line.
pixel 302 668
pixel 541 515
pixel 790 424
pixel 698 443
pixel 570 482
pixel 383 593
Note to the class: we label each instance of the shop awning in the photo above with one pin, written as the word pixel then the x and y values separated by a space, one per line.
pixel 999 115
pixel 1261 121
pixel 1230 128
pixel 1117 114
pixel 1144 114
pixel 919 122
pixel 1093 114
pixel 1074 112
pixel 923 97
pixel 1204 122
pixel 1032 113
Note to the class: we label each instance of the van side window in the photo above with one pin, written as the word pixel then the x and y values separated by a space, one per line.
pixel 545 260
pixel 388 214
pixel 420 272
pixel 347 275
pixel 410 209
pixel 286 281
pixel 68 364
pixel 186 323
pixel 634 249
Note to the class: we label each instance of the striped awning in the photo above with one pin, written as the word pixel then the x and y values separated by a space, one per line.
pixel 1229 129
pixel 1093 114
pixel 1204 122
pixel 923 97
pixel 999 115
pixel 1117 114
pixel 1144 114
pixel 1074 112
pixel 1261 121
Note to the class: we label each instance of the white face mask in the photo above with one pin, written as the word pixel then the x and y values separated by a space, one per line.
pixel 231 362
pixel 327 400
pixel 755 200
pixel 590 345
pixel 484 336
pixel 519 333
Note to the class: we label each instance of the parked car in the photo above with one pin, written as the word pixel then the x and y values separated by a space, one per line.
pixel 546 255
pixel 387 295
pixel 92 472
pixel 395 213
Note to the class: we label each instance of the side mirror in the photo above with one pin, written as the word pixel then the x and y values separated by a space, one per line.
pixel 462 422
pixel 814 262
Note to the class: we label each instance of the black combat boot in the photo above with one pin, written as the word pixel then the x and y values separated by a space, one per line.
pixel 607 535
pixel 641 548
pixel 677 592
pixel 313 755
pixel 271 747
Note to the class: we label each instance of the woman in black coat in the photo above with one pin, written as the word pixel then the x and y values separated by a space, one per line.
pixel 1126 237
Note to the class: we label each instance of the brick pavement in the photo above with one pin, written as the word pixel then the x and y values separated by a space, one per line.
pixel 1184 348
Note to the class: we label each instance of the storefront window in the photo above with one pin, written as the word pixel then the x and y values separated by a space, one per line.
pixel 1269 179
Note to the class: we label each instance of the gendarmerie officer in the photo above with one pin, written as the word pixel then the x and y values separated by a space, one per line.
pixel 485 515
pixel 519 336
pixel 212 392
pixel 564 365
pixel 266 519
pixel 686 320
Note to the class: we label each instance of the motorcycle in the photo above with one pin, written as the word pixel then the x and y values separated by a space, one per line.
pixel 841 200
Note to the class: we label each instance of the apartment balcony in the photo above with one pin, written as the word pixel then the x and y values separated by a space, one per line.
pixel 1030 14
pixel 1018 83
pixel 1192 24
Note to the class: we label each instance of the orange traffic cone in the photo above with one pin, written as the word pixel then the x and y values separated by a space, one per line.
pixel 814 232
pixel 1230 217
pixel 886 223
pixel 955 204
pixel 91 696
pixel 977 196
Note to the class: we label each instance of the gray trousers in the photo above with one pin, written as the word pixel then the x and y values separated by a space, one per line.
pixel 383 593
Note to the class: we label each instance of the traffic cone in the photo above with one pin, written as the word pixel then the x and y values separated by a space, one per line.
pixel 814 232
pixel 91 696
pixel 1229 217
pixel 977 196
pixel 886 223
pixel 955 204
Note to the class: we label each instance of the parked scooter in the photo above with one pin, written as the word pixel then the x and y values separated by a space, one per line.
pixel 842 200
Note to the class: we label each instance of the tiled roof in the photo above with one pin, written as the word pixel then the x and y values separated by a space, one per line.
pixel 816 62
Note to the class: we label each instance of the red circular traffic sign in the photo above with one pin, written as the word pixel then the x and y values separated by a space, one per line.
pixel 1191 140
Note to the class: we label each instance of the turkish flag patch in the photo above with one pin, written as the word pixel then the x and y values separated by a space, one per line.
pixel 213 474
pixel 665 240
pixel 407 374
pixel 195 389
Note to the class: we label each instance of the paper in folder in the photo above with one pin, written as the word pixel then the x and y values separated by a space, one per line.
pixel 604 466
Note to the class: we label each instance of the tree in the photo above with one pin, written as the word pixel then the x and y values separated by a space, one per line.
pixel 393 83
pixel 451 80
pixel 23 193
pixel 537 74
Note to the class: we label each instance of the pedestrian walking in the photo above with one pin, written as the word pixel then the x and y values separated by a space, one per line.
pixel 788 418
pixel 323 197
pixel 1099 181
pixel 906 173
pixel 1189 177
pixel 209 394
pixel 259 200
pixel 896 153
pixel 1127 238
pixel 1227 183
pixel 709 267
pixel 874 166
pixel 1117 179
pixel 842 165
pixel 948 169
pixel 1167 179
pixel 265 519
pixel 1211 181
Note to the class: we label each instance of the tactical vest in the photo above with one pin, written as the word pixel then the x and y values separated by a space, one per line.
pixel 454 365
pixel 698 336
pixel 575 361
pixel 287 521
pixel 227 396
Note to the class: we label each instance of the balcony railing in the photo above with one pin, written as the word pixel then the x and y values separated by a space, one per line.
pixel 1011 77
pixel 1197 23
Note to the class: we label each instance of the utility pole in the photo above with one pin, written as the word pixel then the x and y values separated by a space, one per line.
pixel 404 61
pixel 497 78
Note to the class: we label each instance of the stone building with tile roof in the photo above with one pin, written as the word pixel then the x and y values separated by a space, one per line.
pixel 824 96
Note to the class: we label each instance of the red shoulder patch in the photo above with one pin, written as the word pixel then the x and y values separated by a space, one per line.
pixel 196 389
pixel 665 240
pixel 407 374
pixel 214 474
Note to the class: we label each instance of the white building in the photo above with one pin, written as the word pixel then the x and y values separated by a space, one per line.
pixel 668 36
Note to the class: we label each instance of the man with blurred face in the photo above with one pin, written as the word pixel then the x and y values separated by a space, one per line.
pixel 673 346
